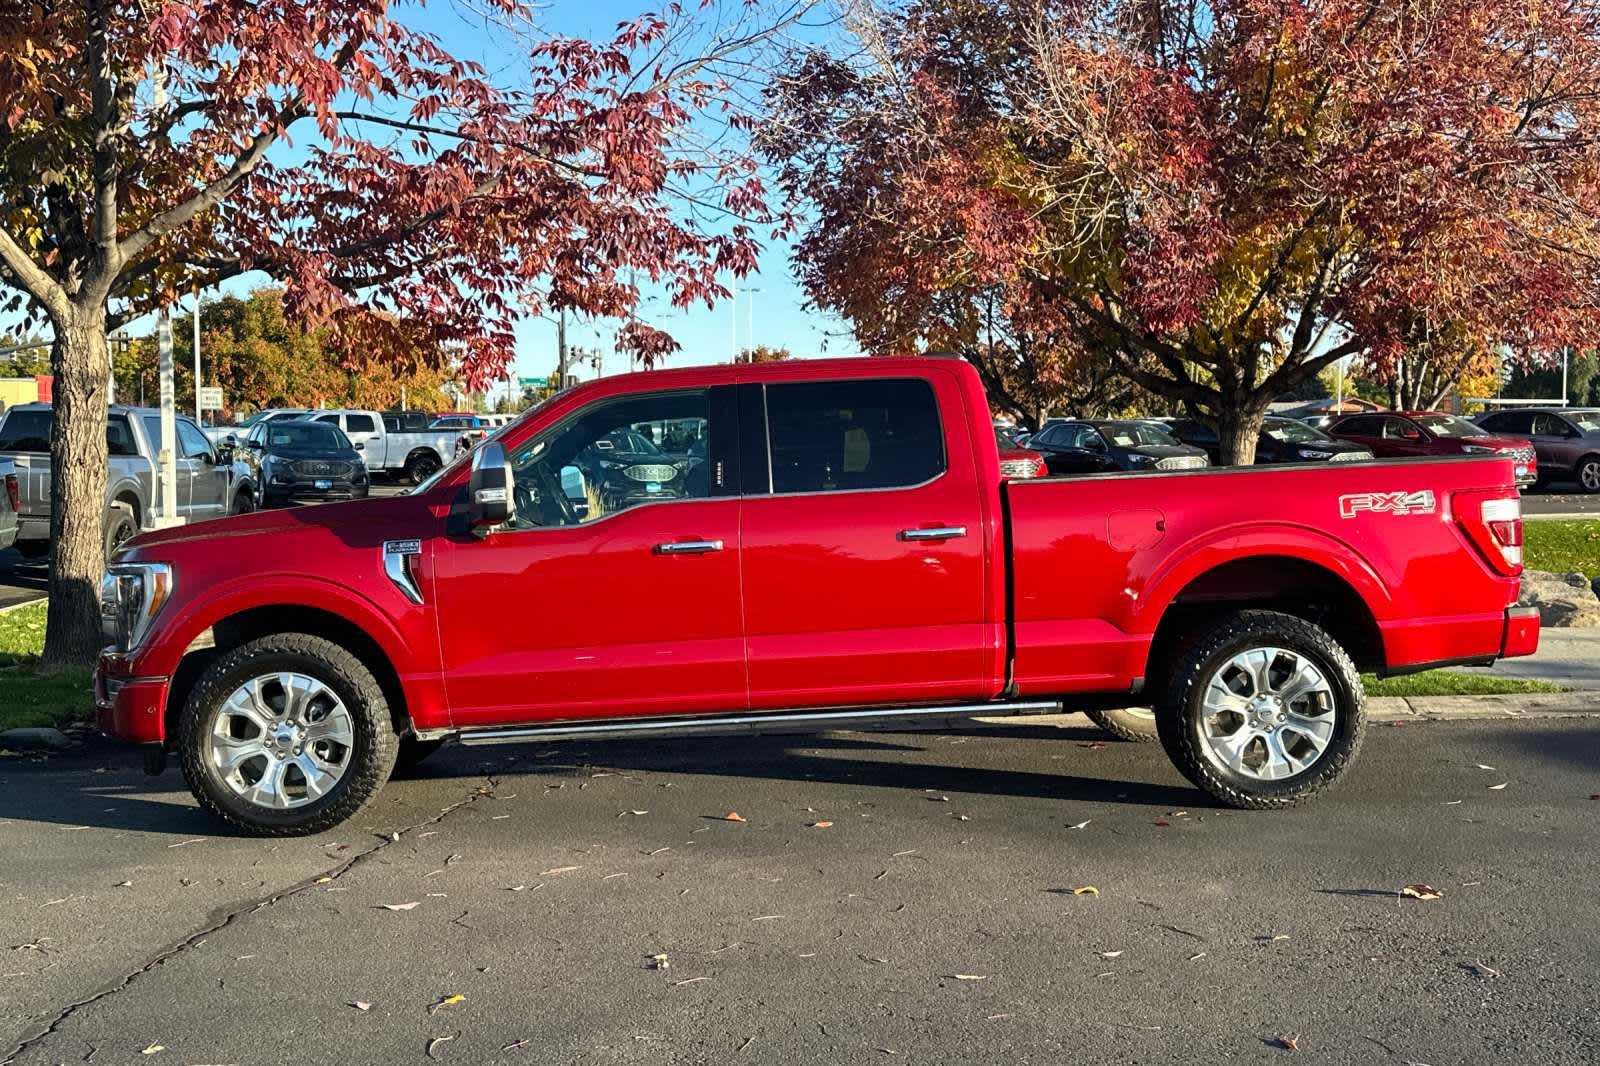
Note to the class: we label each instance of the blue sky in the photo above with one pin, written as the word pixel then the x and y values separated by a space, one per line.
pixel 770 305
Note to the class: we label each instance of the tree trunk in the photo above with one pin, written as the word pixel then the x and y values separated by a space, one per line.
pixel 81 364
pixel 1238 426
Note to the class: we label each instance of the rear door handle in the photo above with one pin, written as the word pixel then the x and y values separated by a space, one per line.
pixel 939 533
pixel 688 547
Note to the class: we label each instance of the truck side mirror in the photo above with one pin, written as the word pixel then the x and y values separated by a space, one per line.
pixel 490 499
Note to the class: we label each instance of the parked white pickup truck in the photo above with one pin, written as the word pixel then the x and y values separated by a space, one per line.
pixel 415 455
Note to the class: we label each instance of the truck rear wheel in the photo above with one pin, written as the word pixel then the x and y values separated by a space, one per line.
pixel 1262 711
pixel 286 735
pixel 1126 723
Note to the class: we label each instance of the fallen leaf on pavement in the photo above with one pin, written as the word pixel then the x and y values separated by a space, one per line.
pixel 153 1049
pixel 821 825
pixel 435 1042
pixel 360 1004
pixel 402 906
pixel 447 1001
pixel 939 799
pixel 1497 788
pixel 1092 745
pixel 689 981
pixel 1481 766
pixel 1080 825
pixel 558 870
pixel 1420 891
pixel 660 962
pixel 1162 823
pixel 124 884
pixel 969 976
pixel 1481 970
pixel 632 812
pixel 734 816
pixel 1287 1043
pixel 1109 954
pixel 1086 890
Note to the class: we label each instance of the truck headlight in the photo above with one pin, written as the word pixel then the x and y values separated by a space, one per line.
pixel 131 595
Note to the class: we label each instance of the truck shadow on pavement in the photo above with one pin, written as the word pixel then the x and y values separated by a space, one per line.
pixel 107 787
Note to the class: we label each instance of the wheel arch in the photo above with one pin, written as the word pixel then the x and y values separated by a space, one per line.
pixel 127 497
pixel 230 627
pixel 1292 583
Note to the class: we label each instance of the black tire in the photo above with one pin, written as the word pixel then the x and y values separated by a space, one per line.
pixel 268 502
pixel 243 503
pixel 371 756
pixel 421 466
pixel 1126 723
pixel 1180 723
pixel 1587 474
pixel 413 752
pixel 120 528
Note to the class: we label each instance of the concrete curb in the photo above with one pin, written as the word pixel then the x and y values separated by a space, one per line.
pixel 8 608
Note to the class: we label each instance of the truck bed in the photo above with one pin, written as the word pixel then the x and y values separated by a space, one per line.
pixel 1097 560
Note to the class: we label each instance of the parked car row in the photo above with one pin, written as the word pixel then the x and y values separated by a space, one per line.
pixel 1545 444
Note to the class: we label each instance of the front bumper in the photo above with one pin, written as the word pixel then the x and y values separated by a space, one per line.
pixel 127 707
pixel 318 489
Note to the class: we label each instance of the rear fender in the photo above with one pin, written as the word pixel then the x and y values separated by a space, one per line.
pixel 1283 540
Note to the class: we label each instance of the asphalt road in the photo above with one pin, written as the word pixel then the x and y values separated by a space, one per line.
pixel 934 920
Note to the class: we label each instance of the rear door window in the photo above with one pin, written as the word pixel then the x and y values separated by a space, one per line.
pixel 26 431
pixel 359 424
pixel 843 436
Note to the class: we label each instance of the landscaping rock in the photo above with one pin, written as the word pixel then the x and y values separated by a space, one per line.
pixel 35 738
pixel 1563 599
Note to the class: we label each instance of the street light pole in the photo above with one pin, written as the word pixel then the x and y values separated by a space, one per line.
pixel 733 321
pixel 197 419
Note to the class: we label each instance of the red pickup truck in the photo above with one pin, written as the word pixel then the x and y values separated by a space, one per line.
pixel 790 545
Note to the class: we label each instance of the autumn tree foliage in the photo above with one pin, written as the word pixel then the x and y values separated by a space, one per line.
pixel 1220 198
pixel 404 197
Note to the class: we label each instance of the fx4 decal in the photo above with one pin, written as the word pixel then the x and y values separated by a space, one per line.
pixel 1395 503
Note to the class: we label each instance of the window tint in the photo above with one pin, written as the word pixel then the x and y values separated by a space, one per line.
pixel 1358 427
pixel 119 437
pixel 1549 426
pixel 328 418
pixel 1509 422
pixel 612 456
pixel 26 431
pixel 192 442
pixel 359 424
pixel 152 430
pixel 838 436
pixel 1397 429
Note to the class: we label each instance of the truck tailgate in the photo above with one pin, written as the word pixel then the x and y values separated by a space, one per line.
pixel 1097 560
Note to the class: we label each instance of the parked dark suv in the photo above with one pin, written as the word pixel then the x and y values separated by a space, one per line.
pixel 1566 438
pixel 293 459
pixel 1096 447
pixel 1282 440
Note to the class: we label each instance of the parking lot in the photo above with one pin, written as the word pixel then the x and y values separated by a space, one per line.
pixel 882 897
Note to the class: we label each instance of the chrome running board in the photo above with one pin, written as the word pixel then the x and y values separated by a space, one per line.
pixel 755 724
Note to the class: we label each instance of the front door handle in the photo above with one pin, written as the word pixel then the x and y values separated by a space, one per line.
pixel 688 547
pixel 939 533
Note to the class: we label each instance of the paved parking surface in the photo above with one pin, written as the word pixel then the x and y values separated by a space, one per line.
pixel 934 920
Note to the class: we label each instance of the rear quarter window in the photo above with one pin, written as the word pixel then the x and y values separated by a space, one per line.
pixel 25 431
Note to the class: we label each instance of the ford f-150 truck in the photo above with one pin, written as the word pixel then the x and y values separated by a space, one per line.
pixel 808 544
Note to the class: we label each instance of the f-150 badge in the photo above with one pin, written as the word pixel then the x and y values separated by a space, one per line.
pixel 1395 503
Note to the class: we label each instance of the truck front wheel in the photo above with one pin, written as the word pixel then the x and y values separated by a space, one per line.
pixel 1263 710
pixel 286 735
pixel 1126 723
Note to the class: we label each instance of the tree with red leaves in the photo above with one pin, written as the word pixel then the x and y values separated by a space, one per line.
pixel 1221 198
pixel 405 199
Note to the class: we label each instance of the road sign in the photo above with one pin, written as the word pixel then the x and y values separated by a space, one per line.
pixel 211 397
pixel 533 382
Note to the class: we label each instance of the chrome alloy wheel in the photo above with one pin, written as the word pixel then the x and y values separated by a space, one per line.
pixel 281 740
pixel 1266 713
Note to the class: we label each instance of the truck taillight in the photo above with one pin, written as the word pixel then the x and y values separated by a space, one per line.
pixel 1494 524
pixel 1033 466
pixel 13 492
